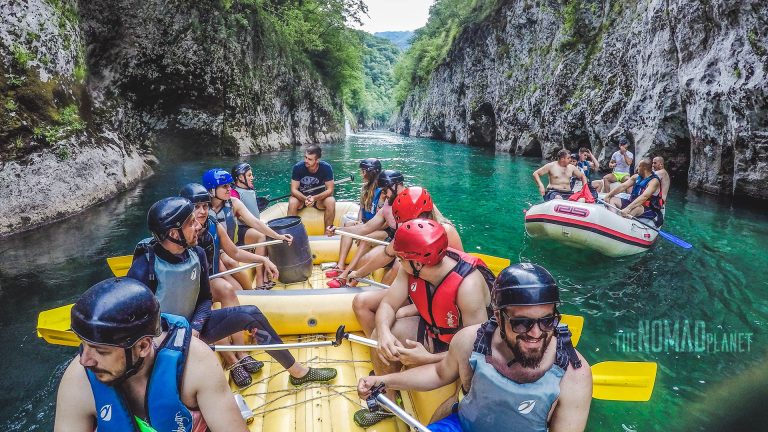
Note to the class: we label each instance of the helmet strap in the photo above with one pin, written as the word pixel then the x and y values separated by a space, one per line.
pixel 181 241
pixel 413 268
pixel 131 367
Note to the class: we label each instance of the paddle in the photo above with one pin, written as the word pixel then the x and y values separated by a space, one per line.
pixel 120 264
pixel 680 242
pixel 363 238
pixel 623 381
pixel 335 182
pixel 378 399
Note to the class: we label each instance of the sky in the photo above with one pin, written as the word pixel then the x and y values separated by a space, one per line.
pixel 393 15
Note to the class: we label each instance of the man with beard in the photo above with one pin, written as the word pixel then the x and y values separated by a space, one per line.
pixel 140 370
pixel 512 374
pixel 310 173
pixel 176 270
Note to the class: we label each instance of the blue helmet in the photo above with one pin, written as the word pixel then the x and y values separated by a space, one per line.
pixel 216 177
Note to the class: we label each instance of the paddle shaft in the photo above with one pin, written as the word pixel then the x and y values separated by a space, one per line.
pixel 234 270
pixel 372 283
pixel 337 182
pixel 363 238
pixel 265 243
pixel 396 410
pixel 631 217
pixel 272 347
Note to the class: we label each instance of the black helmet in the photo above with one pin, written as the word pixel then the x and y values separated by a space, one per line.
pixel 524 284
pixel 240 169
pixel 195 192
pixel 370 164
pixel 116 312
pixel 167 214
pixel 390 178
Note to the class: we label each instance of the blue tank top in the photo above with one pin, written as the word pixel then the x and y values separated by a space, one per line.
pixel 496 403
pixel 226 217
pixel 165 410
pixel 213 254
pixel 368 214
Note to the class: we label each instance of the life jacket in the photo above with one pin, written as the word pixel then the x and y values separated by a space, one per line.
pixel 368 214
pixel 211 243
pixel 163 403
pixel 437 307
pixel 176 286
pixel 495 402
pixel 248 197
pixel 575 181
pixel 226 217
pixel 656 201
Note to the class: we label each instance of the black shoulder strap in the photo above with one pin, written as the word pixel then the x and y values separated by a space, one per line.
pixel 566 353
pixel 484 337
pixel 146 248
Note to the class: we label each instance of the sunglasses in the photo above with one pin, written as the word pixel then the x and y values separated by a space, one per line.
pixel 524 325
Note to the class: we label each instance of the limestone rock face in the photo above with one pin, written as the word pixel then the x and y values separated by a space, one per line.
pixel 683 79
pixel 87 87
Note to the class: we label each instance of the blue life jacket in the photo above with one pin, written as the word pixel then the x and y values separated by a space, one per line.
pixel 656 202
pixel 176 286
pixel 496 403
pixel 368 214
pixel 165 410
pixel 585 167
pixel 226 217
pixel 211 243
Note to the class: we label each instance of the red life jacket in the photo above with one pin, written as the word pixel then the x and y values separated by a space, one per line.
pixel 437 306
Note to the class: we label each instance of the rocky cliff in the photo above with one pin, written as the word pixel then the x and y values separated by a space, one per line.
pixel 87 87
pixel 685 79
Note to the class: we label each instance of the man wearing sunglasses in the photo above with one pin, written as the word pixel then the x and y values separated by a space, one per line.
pixel 519 371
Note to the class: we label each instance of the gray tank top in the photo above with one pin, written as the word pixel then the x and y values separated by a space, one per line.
pixel 496 403
pixel 178 285
pixel 248 197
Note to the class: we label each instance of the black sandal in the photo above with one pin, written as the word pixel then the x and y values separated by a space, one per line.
pixel 251 365
pixel 240 376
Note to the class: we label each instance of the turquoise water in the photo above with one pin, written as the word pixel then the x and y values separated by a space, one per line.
pixel 721 282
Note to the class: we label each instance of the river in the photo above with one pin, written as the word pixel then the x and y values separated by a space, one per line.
pixel 718 287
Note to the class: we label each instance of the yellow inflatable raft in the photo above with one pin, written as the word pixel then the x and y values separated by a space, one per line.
pixel 309 311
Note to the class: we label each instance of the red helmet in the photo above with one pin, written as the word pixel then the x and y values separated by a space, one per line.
pixel 421 240
pixel 410 203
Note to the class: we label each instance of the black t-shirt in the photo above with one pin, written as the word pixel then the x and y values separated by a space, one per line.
pixel 308 180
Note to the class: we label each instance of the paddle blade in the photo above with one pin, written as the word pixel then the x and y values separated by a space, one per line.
pixel 120 264
pixel 575 325
pixel 495 264
pixel 623 381
pixel 680 242
pixel 54 326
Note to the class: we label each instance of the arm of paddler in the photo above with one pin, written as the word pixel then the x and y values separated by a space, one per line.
pixel 204 379
pixel 75 407
pixel 385 317
pixel 652 187
pixel 537 177
pixel 243 255
pixel 621 188
pixel 329 188
pixel 295 191
pixel 572 409
pixel 242 213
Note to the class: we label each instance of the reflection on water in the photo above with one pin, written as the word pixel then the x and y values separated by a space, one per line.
pixel 721 281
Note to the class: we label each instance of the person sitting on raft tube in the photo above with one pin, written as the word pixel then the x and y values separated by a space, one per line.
pixel 213 238
pixel 646 200
pixel 227 210
pixel 140 370
pixel 176 270
pixel 414 202
pixel 382 226
pixel 450 290
pixel 620 163
pixel 243 189
pixel 370 203
pixel 518 371
pixel 310 173
pixel 559 173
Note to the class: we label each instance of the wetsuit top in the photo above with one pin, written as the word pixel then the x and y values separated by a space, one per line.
pixel 226 217
pixel 369 213
pixel 308 180
pixel 437 305
pixel 495 402
pixel 656 202
pixel 211 243
pixel 248 197
pixel 163 403
pixel 179 281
